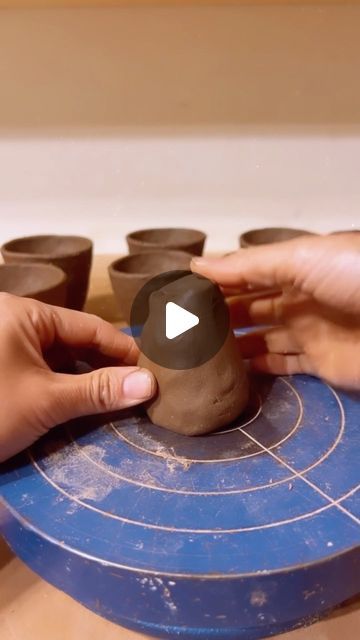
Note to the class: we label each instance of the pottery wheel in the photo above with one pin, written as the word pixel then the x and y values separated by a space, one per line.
pixel 240 534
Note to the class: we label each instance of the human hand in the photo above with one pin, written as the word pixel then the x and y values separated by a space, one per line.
pixel 314 305
pixel 33 398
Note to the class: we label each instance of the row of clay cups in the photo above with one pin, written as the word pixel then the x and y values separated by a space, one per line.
pixel 193 241
pixel 56 269
pixel 155 251
pixel 53 269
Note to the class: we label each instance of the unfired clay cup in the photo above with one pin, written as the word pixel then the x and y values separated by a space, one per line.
pixel 72 254
pixel 43 282
pixel 189 240
pixel 269 235
pixel 129 274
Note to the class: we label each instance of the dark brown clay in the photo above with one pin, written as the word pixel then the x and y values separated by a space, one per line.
pixel 200 400
pixel 189 240
pixel 198 391
pixel 73 254
pixel 129 274
pixel 43 282
pixel 268 235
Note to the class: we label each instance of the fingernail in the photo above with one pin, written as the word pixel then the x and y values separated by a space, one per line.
pixel 138 385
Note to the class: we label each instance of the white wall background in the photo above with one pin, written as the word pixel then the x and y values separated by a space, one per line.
pixel 223 118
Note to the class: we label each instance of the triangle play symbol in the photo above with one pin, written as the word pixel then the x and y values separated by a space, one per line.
pixel 178 320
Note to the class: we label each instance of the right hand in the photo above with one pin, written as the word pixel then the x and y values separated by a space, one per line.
pixel 316 310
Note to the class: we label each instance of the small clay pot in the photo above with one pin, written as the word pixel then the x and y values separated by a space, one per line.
pixel 43 282
pixel 189 240
pixel 268 235
pixel 73 254
pixel 129 274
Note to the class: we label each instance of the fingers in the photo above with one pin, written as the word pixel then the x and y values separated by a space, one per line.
pixel 101 391
pixel 275 352
pixel 50 325
pixel 251 345
pixel 82 330
pixel 63 359
pixel 279 364
pixel 274 265
pixel 268 266
pixel 95 359
pixel 251 309
pixel 249 290
pixel 324 267
pixel 276 341
pixel 281 340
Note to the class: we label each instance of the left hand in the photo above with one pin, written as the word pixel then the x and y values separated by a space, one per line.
pixel 33 398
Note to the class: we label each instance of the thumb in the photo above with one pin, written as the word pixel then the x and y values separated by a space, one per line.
pixel 100 391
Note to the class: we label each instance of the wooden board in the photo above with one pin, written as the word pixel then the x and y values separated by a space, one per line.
pixel 11 4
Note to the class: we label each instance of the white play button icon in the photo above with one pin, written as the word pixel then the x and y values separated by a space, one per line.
pixel 178 320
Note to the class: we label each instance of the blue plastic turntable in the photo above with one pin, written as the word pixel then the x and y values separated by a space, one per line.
pixel 244 533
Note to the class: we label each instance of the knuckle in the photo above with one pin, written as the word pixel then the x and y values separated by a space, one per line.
pixel 6 298
pixel 102 390
pixel 42 321
pixel 277 309
pixel 98 329
pixel 12 310
pixel 19 311
pixel 7 302
pixel 98 332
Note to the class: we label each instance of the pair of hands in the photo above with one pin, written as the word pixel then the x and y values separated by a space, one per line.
pixel 313 299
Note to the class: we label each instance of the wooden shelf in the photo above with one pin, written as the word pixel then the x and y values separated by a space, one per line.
pixel 33 4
